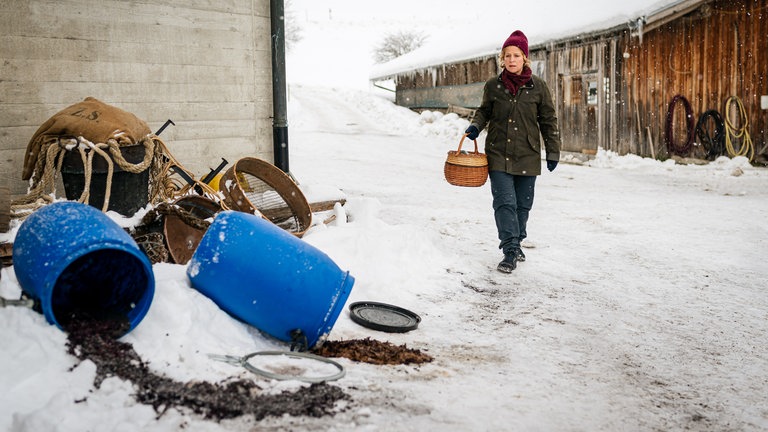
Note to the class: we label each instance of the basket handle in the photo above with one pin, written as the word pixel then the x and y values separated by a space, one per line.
pixel 462 142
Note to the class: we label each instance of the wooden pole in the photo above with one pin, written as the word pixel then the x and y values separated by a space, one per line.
pixel 650 142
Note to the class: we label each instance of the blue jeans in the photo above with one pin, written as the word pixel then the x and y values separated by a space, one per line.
pixel 512 201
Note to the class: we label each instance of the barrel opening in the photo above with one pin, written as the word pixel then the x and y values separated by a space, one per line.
pixel 103 285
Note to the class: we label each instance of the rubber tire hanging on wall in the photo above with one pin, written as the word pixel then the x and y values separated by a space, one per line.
pixel 672 146
pixel 715 145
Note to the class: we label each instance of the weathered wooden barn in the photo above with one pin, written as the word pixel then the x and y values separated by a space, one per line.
pixel 613 87
pixel 207 65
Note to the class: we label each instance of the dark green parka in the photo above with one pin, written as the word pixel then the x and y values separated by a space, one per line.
pixel 514 125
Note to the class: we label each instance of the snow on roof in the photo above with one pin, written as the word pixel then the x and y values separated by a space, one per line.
pixel 540 29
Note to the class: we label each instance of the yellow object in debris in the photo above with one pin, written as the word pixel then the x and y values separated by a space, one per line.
pixel 214 183
pixel 243 181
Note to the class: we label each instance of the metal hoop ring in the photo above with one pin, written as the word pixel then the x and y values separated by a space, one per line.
pixel 292 354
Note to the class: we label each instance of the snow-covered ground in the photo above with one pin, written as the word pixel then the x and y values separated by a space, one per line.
pixel 642 304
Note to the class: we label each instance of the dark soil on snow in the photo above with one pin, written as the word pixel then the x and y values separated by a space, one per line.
pixel 372 351
pixel 95 341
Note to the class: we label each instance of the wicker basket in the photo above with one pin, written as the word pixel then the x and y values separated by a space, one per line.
pixel 466 169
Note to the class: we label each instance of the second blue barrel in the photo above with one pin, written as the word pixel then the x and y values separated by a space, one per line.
pixel 268 278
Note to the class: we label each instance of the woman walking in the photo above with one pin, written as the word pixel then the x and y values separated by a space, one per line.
pixel 517 107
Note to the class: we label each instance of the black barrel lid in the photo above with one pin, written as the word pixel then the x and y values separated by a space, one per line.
pixel 383 317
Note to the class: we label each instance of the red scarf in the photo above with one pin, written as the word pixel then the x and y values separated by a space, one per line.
pixel 513 82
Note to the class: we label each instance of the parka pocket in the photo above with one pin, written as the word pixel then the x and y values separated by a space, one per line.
pixel 491 138
pixel 534 142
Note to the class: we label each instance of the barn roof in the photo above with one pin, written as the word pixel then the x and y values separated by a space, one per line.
pixel 629 14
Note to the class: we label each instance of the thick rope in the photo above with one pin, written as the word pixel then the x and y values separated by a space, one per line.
pixel 117 155
pixel 49 165
pixel 85 196
pixel 170 188
pixel 167 209
pixel 38 195
pixel 153 244
pixel 715 145
pixel 672 146
pixel 163 187
pixel 738 133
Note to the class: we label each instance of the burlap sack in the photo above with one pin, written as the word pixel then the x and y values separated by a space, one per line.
pixel 91 119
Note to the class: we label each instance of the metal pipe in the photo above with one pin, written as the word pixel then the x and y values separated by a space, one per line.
pixel 212 173
pixel 279 104
pixel 162 128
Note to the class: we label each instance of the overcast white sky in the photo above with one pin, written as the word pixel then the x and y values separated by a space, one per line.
pixel 453 16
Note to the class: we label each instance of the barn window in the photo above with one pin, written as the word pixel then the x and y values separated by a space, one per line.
pixel 592 93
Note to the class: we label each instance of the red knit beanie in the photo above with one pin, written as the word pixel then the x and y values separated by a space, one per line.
pixel 518 39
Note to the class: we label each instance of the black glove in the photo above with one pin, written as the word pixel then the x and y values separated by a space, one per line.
pixel 551 165
pixel 472 132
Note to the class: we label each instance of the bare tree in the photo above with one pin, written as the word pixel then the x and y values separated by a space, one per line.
pixel 396 44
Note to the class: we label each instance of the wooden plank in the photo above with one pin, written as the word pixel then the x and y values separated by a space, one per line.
pixel 440 97
pixel 281 214
pixel 202 154
pixel 129 52
pixel 14 140
pixel 232 6
pixel 193 131
pixel 150 23
pixel 10 167
pixel 122 93
pixel 461 111
pixel 219 129
pixel 5 209
pixel 6 254
pixel 325 205
pixel 32 115
pixel 63 70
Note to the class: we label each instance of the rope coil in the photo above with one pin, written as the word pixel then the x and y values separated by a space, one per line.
pixel 49 164
pixel 163 187
pixel 733 133
pixel 715 145
pixel 673 147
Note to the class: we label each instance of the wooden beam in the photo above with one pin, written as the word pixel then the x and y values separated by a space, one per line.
pixel 6 254
pixel 5 209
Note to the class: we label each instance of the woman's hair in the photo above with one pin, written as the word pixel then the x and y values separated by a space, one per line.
pixel 526 60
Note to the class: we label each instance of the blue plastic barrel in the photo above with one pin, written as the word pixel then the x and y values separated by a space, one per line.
pixel 269 278
pixel 80 265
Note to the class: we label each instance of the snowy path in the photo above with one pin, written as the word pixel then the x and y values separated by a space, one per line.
pixel 641 306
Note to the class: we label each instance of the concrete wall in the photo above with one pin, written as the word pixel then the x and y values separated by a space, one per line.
pixel 205 64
